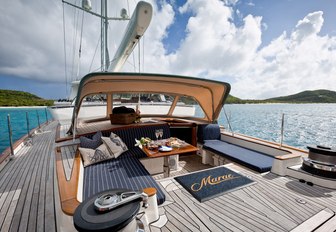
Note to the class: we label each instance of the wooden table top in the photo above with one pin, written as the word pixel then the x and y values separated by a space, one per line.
pixel 186 148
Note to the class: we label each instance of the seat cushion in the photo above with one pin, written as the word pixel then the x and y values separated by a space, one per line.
pixel 254 160
pixel 125 171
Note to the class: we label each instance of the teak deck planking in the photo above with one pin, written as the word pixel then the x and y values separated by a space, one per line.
pixel 272 204
pixel 29 197
pixel 27 193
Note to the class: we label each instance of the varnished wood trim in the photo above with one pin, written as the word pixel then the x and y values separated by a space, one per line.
pixel 288 156
pixel 58 132
pixel 68 189
pixel 150 191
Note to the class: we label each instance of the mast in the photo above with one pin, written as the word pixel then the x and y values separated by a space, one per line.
pixel 105 60
pixel 104 19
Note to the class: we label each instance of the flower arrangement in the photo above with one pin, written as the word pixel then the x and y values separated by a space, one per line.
pixel 144 141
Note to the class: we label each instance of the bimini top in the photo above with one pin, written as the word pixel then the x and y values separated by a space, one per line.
pixel 209 94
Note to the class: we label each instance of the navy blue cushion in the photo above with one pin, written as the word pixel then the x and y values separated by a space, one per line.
pixel 208 132
pixel 257 161
pixel 124 172
pixel 129 135
pixel 134 152
pixel 91 143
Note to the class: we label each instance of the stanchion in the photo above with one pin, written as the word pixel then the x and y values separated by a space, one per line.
pixel 46 114
pixel 282 129
pixel 27 120
pixel 10 135
pixel 29 139
pixel 38 119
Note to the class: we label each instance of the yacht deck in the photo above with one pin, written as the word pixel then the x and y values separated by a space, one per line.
pixel 29 199
pixel 28 194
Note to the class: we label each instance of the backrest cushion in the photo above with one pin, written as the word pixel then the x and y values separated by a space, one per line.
pixel 129 135
pixel 91 156
pixel 114 145
pixel 91 143
pixel 208 132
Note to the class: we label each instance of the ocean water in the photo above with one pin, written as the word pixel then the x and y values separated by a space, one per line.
pixel 19 122
pixel 304 124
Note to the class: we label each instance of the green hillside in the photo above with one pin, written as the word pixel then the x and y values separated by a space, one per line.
pixel 19 98
pixel 315 96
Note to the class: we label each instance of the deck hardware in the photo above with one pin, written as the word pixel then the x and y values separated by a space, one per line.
pixel 310 183
pixel 301 201
pixel 108 201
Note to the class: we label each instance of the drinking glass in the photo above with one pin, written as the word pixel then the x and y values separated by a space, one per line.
pixel 161 133
pixel 157 134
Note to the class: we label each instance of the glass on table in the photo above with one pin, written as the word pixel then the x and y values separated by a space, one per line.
pixel 161 133
pixel 157 134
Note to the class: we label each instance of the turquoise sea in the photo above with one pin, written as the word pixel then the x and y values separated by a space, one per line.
pixel 19 122
pixel 304 124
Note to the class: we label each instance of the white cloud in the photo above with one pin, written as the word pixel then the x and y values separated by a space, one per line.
pixel 29 43
pixel 291 63
pixel 216 48
pixel 310 25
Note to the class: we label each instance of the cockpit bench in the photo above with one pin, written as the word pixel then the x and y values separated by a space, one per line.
pixel 209 135
pixel 254 160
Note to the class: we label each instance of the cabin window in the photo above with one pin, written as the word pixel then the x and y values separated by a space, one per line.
pixel 93 106
pixel 158 104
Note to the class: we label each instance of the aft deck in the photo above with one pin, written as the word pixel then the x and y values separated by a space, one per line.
pixel 29 198
pixel 272 204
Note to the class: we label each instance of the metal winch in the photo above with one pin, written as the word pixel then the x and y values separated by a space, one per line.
pixel 321 161
pixel 113 210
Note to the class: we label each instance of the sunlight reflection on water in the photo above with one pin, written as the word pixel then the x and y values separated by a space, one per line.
pixel 305 124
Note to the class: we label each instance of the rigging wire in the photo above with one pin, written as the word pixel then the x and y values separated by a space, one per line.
pixel 80 47
pixel 74 42
pixel 143 53
pixel 228 120
pixel 139 57
pixel 65 55
pixel 94 55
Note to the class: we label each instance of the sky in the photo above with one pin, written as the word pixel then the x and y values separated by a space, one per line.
pixel 263 48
